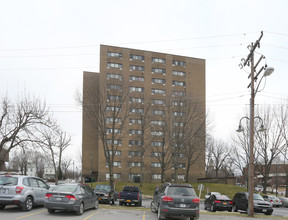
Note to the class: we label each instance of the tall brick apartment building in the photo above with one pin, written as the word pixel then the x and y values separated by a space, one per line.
pixel 149 103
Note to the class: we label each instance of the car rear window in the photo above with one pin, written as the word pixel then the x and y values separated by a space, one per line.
pixel 222 197
pixel 66 188
pixel 180 190
pixel 131 188
pixel 8 180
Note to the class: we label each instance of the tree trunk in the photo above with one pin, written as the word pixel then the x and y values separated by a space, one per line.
pixel 2 165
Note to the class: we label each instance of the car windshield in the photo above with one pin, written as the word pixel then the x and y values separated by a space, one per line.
pixel 180 190
pixel 257 197
pixel 66 188
pixel 105 188
pixel 222 197
pixel 8 180
pixel 131 188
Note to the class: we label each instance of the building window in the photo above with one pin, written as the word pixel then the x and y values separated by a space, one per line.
pixel 116 152
pixel 177 134
pixel 110 130
pixel 158 60
pixel 114 98
pixel 136 57
pixel 115 176
pixel 135 153
pixel 178 93
pixel 116 141
pixel 137 110
pixel 158 101
pixel 136 89
pixel 178 73
pixel 136 100
pixel 132 175
pixel 137 78
pixel 114 76
pixel 180 176
pixel 156 176
pixel 158 112
pixel 159 81
pixel 178 83
pixel 155 164
pixel 178 124
pixel 135 143
pixel 157 123
pixel 180 165
pixel 137 68
pixel 135 164
pixel 114 54
pixel 178 63
pixel 114 65
pixel 158 70
pixel 157 133
pixel 158 91
pixel 156 154
pixel 115 164
pixel 179 114
pixel 157 144
pixel 135 121
pixel 114 87
pixel 111 119
pixel 135 131
pixel 175 103
pixel 113 109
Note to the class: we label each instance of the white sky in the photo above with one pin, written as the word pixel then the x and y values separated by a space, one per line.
pixel 45 45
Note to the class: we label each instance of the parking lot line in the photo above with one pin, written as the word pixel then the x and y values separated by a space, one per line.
pixel 91 215
pixel 34 213
pixel 143 218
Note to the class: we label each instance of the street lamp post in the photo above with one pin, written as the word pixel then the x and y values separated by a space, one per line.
pixel 91 169
pixel 268 71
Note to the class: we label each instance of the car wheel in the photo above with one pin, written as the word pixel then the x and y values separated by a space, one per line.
pixel 213 208
pixel 96 204
pixel 268 213
pixel 205 207
pixel 2 206
pixel 230 210
pixel 51 211
pixel 159 216
pixel 120 203
pixel 28 204
pixel 153 207
pixel 113 201
pixel 235 208
pixel 80 210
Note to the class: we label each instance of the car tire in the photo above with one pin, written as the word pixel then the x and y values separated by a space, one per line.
pixel 213 208
pixel 268 213
pixel 113 201
pixel 28 204
pixel 235 208
pixel 80 210
pixel 230 210
pixel 153 207
pixel 51 211
pixel 96 204
pixel 2 207
pixel 159 215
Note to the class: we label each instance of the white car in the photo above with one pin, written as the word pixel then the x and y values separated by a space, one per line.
pixel 275 201
pixel 211 193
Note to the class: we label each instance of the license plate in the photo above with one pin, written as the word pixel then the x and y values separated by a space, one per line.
pixel 128 200
pixel 58 199
pixel 225 203
pixel 182 205
pixel 99 198
pixel 264 210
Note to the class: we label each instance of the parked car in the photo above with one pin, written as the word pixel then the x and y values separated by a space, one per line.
pixel 172 200
pixel 71 197
pixel 23 191
pixel 258 188
pixel 240 202
pixel 105 194
pixel 218 203
pixel 275 201
pixel 130 195
pixel 284 201
pixel 211 193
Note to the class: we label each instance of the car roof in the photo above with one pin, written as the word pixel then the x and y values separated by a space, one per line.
pixel 179 185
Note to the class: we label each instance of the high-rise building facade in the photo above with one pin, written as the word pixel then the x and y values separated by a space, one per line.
pixel 147 109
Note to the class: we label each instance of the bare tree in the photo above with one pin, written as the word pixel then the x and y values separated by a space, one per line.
pixel 18 122
pixel 53 142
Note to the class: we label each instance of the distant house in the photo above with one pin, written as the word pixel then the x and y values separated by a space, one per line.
pixel 49 172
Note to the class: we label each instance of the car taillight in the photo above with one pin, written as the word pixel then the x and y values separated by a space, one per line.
pixel 217 201
pixel 119 195
pixel 48 195
pixel 196 200
pixel 71 197
pixel 19 189
pixel 167 199
pixel 231 202
pixel 271 200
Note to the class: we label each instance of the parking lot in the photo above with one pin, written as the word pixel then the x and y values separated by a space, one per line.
pixel 108 212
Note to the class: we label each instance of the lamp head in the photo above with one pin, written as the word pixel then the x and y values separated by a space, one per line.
pixel 262 128
pixel 240 128
pixel 268 71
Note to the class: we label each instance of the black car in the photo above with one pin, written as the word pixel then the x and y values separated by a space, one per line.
pixel 105 194
pixel 218 203
pixel 172 200
pixel 240 202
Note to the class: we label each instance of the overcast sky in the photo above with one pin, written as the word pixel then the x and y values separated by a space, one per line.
pixel 45 45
